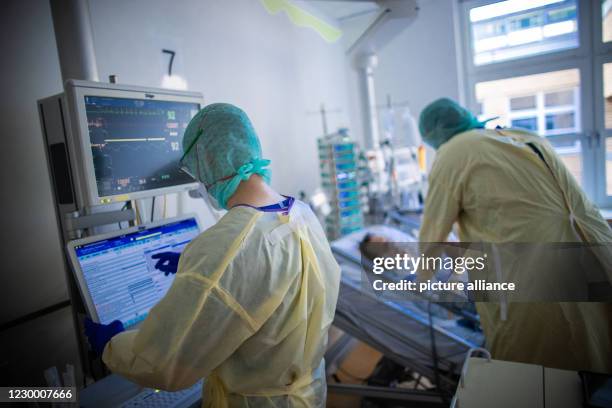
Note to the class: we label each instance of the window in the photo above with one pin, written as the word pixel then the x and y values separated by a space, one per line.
pixel 514 29
pixel 546 66
pixel 607 103
pixel 546 103
pixel 525 123
pixel 607 94
pixel 522 102
pixel 606 20
pixel 609 166
pixel 560 122
pixel 561 98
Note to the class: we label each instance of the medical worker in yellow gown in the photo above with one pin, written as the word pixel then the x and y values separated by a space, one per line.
pixel 498 189
pixel 254 295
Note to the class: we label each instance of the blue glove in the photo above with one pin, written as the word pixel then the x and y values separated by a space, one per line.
pixel 100 334
pixel 167 262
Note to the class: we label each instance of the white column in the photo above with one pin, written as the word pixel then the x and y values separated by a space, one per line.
pixel 73 35
pixel 365 65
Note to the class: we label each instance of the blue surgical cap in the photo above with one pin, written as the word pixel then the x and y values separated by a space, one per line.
pixel 221 147
pixel 443 119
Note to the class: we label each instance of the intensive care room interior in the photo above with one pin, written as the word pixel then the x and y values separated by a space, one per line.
pixel 469 132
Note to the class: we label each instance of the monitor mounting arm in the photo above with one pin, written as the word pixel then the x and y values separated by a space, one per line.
pixel 393 17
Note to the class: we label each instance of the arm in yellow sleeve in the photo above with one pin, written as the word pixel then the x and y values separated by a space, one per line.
pixel 188 334
pixel 442 206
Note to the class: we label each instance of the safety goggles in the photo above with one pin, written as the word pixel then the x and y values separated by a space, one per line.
pixel 183 166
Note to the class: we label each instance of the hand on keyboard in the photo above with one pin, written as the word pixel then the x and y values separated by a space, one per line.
pixel 100 334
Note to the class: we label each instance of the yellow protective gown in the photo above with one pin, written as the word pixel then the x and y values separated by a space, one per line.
pixel 498 190
pixel 249 310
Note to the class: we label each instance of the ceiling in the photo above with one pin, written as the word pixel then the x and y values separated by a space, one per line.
pixel 342 10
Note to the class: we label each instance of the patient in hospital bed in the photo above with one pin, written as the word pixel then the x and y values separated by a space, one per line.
pixel 373 246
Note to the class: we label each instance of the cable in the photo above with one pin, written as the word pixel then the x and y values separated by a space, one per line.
pixel 164 212
pixel 122 208
pixel 135 205
pixel 434 353
pixel 153 208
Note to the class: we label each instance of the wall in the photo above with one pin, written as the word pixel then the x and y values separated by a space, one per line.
pixel 30 71
pixel 32 275
pixel 231 50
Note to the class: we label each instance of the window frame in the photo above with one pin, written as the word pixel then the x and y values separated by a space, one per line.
pixel 602 54
pixel 582 58
pixel 600 47
pixel 601 133
pixel 584 38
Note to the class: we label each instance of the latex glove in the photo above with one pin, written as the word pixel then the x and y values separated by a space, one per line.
pixel 100 334
pixel 167 262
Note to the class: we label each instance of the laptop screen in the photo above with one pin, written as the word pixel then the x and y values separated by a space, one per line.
pixel 120 274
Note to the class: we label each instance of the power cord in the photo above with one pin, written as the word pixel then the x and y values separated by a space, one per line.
pixel 135 206
pixel 125 205
pixel 434 352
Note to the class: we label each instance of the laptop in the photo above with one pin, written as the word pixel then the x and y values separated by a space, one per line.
pixel 116 273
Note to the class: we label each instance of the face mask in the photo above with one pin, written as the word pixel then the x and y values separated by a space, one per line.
pixel 210 201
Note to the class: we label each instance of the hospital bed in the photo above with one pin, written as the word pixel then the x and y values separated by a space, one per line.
pixel 421 335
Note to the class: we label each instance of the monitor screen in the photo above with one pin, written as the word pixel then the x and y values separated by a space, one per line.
pixel 120 274
pixel 136 143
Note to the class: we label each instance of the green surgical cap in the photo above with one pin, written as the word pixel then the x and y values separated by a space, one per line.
pixel 221 147
pixel 443 119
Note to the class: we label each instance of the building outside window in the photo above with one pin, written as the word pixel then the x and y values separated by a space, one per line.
pixel 515 29
pixel 546 66
pixel 547 104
